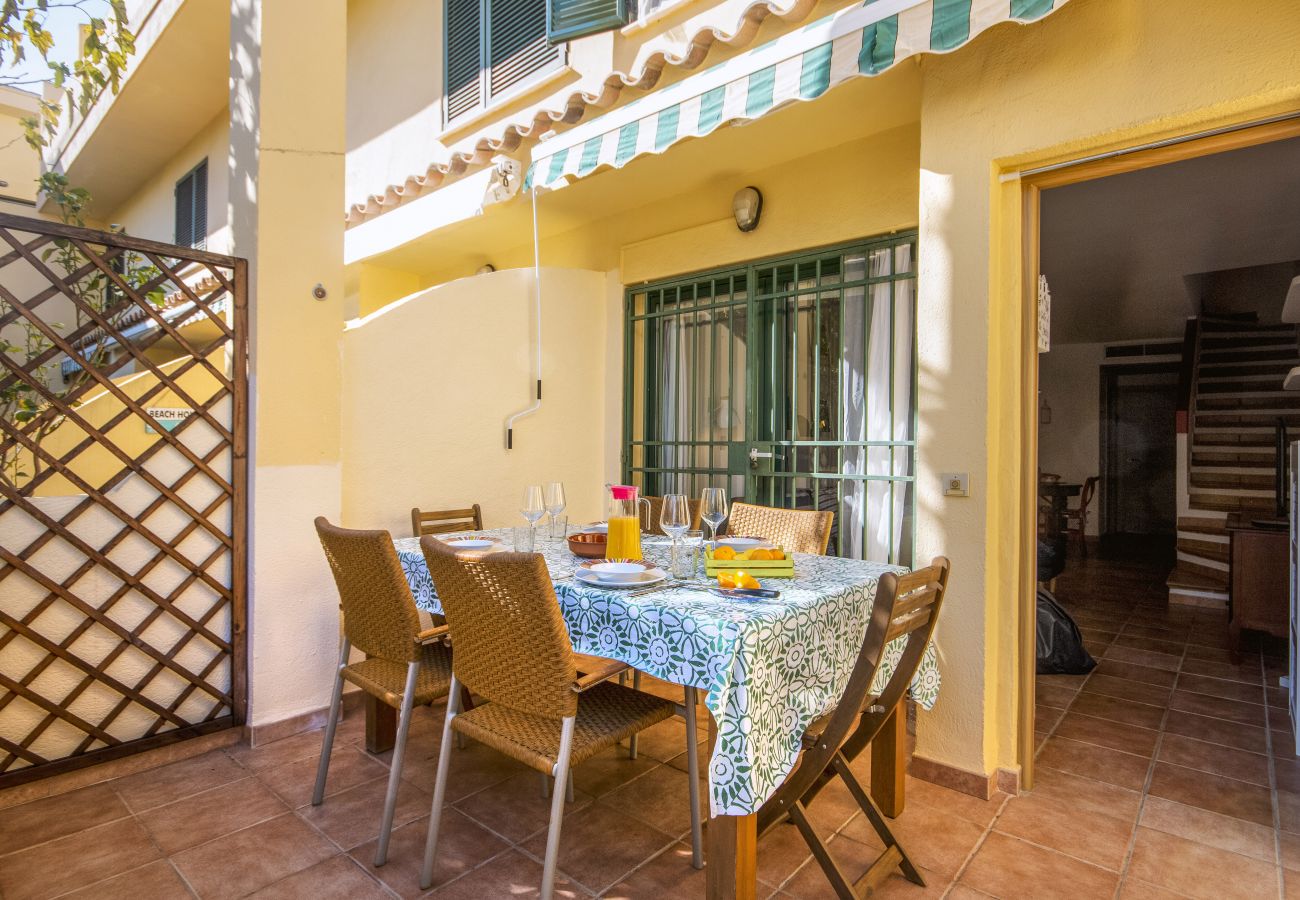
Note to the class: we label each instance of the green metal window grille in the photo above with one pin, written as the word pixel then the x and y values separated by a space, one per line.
pixel 790 382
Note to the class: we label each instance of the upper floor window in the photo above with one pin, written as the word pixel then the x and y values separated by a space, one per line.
pixel 494 47
pixel 192 208
pixel 643 9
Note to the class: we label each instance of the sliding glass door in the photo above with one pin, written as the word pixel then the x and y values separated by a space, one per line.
pixel 791 382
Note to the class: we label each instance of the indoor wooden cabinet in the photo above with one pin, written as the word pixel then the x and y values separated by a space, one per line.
pixel 1259 565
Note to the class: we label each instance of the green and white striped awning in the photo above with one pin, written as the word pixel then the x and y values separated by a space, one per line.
pixel 801 65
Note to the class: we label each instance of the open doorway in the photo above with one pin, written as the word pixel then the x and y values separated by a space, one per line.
pixel 1137 418
pixel 1163 423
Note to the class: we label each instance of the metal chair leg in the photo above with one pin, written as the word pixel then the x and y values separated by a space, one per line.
pixel 693 773
pixel 631 742
pixel 336 706
pixel 395 769
pixel 568 790
pixel 439 787
pixel 562 776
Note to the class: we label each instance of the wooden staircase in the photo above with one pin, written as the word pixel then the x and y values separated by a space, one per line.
pixel 1238 399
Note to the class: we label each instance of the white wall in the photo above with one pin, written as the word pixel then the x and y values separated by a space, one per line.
pixel 1069 380
pixel 394 93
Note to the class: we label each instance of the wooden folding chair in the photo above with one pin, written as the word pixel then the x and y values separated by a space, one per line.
pixel 907 607
pixel 443 521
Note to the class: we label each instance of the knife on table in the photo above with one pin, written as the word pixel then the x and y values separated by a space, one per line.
pixel 746 593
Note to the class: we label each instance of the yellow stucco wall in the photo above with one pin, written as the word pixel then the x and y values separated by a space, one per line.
pixel 151 211
pixel 429 381
pixel 132 436
pixel 1099 74
pixel 19 163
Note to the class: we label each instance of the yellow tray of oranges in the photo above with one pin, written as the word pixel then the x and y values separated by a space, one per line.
pixel 762 562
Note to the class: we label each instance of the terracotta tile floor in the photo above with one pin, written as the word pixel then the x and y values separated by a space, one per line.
pixel 1166 772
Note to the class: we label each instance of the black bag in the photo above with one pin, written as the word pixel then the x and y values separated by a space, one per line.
pixel 1060 645
pixel 1051 557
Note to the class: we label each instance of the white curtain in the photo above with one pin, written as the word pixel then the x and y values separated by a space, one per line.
pixel 669 381
pixel 871 526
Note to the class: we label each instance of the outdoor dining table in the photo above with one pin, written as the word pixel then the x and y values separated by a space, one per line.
pixel 767 668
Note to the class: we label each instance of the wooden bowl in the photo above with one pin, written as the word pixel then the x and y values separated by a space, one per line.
pixel 588 545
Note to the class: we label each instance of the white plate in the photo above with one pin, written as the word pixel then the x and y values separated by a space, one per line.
pixel 743 543
pixel 598 528
pixel 471 543
pixel 649 577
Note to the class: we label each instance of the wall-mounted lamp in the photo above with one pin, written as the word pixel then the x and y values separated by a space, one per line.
pixel 485 268
pixel 747 206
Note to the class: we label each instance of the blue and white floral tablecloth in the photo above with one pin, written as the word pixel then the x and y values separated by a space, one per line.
pixel 768 667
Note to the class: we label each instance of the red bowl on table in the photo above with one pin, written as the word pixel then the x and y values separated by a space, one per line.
pixel 588 544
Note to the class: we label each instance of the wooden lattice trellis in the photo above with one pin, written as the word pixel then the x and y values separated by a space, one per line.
pixel 123 437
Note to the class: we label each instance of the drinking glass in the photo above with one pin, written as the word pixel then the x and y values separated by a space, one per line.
pixel 559 527
pixel 554 502
pixel 532 506
pixel 713 509
pixel 524 536
pixel 674 519
pixel 687 558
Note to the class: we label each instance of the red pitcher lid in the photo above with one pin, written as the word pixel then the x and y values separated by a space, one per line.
pixel 622 491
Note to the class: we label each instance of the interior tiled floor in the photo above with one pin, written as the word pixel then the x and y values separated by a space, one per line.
pixel 1168 766
pixel 1159 776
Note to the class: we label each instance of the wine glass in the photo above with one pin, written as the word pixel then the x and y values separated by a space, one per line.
pixel 532 506
pixel 713 509
pixel 554 502
pixel 675 519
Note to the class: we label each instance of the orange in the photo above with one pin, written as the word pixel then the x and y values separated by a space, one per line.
pixel 724 553
pixel 745 580
pixel 726 580
pixel 776 554
pixel 760 553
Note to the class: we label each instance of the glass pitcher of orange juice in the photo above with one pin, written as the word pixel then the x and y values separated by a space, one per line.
pixel 623 513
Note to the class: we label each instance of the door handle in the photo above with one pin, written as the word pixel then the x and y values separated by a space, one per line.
pixel 755 455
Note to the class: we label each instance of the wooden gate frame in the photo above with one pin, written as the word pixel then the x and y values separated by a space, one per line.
pixel 227 277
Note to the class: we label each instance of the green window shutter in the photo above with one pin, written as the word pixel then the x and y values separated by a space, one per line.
pixel 517 44
pixel 569 19
pixel 200 176
pixel 184 207
pixel 192 208
pixel 464 69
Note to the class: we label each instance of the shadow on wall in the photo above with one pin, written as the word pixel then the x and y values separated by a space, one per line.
pixel 428 382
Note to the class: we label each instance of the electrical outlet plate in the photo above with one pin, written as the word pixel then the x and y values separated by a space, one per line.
pixel 955 484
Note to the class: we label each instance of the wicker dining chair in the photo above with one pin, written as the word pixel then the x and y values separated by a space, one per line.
pixel 513 650
pixel 656 511
pixel 405 665
pixel 796 530
pixel 444 521
pixel 905 606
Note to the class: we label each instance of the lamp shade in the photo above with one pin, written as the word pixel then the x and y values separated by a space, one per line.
pixel 747 206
